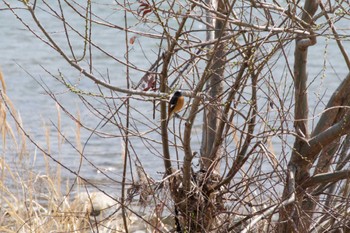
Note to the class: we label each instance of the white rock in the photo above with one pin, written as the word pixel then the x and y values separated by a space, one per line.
pixel 96 202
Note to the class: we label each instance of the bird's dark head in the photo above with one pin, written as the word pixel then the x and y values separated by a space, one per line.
pixel 178 93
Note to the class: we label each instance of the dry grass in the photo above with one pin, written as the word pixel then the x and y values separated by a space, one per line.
pixel 17 137
pixel 36 206
pixel 31 202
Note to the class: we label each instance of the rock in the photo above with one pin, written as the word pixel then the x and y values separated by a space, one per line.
pixel 96 202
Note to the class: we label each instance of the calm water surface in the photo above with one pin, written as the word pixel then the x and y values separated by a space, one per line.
pixel 22 57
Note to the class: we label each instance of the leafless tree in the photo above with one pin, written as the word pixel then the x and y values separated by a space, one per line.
pixel 232 60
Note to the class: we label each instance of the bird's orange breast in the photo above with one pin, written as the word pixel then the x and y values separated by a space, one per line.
pixel 179 104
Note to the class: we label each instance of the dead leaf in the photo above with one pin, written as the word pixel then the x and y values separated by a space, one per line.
pixel 132 40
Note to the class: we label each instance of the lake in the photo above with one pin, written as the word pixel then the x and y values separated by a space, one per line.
pixel 24 58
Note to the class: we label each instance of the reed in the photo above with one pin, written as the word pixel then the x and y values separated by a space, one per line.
pixel 31 201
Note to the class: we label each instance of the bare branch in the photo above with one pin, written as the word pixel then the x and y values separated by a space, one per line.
pixel 271 210
pixel 336 35
pixel 325 178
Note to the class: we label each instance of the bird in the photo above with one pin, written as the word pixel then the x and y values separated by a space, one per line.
pixel 176 103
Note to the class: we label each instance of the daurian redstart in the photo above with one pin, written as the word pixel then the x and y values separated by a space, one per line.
pixel 176 103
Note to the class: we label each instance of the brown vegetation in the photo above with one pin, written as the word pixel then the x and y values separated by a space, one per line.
pixel 245 154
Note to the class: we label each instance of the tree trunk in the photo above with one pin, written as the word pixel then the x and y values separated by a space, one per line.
pixel 213 109
pixel 291 218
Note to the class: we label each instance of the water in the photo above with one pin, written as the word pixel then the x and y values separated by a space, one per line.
pixel 24 59
pixel 23 56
